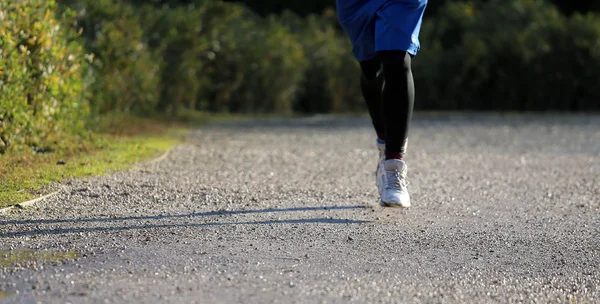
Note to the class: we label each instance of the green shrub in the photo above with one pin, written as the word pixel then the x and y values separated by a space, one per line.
pixel 222 57
pixel 566 75
pixel 270 65
pixel 508 55
pixel 125 70
pixel 41 70
pixel 177 35
pixel 331 81
pixel 150 58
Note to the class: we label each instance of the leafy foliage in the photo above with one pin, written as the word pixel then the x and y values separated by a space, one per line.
pixel 64 65
pixel 331 82
pixel 125 75
pixel 508 55
pixel 42 92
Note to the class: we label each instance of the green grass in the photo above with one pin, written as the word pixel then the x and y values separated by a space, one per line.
pixel 119 142
pixel 9 258
pixel 128 142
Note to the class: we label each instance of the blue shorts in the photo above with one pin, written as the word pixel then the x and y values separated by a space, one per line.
pixel 381 25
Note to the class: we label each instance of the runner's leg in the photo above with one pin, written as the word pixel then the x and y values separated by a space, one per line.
pixel 398 101
pixel 371 85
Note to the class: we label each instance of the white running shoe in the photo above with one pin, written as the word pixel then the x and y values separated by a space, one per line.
pixel 395 189
pixel 380 172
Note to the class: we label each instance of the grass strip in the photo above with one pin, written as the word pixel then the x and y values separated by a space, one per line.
pixel 128 142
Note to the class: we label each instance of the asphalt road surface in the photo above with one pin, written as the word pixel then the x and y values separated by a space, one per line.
pixel 505 210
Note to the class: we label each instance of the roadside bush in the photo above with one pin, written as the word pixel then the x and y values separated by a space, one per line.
pixel 205 55
pixel 125 70
pixel 269 63
pixel 222 57
pixel 508 55
pixel 151 58
pixel 41 70
pixel 179 37
pixel 331 80
pixel 566 76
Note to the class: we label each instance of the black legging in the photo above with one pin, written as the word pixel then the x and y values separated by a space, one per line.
pixel 388 89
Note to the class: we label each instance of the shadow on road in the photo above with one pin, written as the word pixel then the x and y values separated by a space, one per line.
pixel 96 229
pixel 190 215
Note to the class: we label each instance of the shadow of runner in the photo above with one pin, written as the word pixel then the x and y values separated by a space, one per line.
pixel 95 229
pixel 160 217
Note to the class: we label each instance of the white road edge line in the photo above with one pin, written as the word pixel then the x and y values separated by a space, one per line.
pixel 27 203
pixel 158 159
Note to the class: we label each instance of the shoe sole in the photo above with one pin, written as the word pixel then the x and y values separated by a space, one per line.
pixel 384 204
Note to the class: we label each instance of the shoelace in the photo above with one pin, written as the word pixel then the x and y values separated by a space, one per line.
pixel 394 180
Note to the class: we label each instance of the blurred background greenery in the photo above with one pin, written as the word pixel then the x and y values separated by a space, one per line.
pixel 66 63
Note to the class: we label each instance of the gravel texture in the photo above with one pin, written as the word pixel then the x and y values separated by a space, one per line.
pixel 506 209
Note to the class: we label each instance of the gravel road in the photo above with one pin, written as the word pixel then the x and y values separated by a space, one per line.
pixel 506 209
